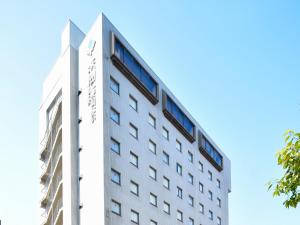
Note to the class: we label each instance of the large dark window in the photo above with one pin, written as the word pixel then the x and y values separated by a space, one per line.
pixel 210 152
pixel 178 118
pixel 133 70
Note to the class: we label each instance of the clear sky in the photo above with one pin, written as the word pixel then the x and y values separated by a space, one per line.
pixel 233 64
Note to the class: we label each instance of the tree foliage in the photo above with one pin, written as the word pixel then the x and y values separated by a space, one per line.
pixel 289 159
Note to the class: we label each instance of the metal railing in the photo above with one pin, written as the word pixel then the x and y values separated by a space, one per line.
pixel 53 190
pixel 52 163
pixel 48 136
pixel 55 213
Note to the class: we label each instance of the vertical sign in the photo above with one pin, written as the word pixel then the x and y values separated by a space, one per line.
pixel 92 72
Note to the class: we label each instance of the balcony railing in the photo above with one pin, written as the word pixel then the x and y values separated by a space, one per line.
pixel 50 195
pixel 50 167
pixel 51 131
pixel 53 217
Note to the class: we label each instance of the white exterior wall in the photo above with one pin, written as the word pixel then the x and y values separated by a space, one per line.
pixel 93 193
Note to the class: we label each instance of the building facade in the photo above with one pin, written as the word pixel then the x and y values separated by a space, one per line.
pixel 117 147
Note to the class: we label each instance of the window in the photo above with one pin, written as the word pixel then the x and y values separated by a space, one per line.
pixel 114 115
pixel 210 215
pixel 166 158
pixel 190 157
pixel 219 221
pixel 152 146
pixel 218 183
pixel 152 222
pixel 191 201
pixel 201 208
pixel 200 164
pixel 134 217
pixel 134 159
pixel 166 183
pixel 191 221
pixel 210 152
pixel 153 199
pixel 178 168
pixel 152 121
pixel 133 70
pixel 134 188
pixel 115 177
pixel 133 103
pixel 114 85
pixel 176 116
pixel 179 216
pixel 116 207
pixel 152 173
pixel 210 195
pixel 133 131
pixel 200 187
pixel 166 207
pixel 179 192
pixel 191 178
pixel 210 176
pixel 219 202
pixel 115 146
pixel 178 145
pixel 165 133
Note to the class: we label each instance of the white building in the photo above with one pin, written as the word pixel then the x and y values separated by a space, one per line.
pixel 117 147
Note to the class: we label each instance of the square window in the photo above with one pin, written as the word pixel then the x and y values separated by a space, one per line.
pixel 166 158
pixel 134 217
pixel 114 85
pixel 115 177
pixel 200 164
pixel 115 146
pixel 153 199
pixel 133 131
pixel 200 187
pixel 166 183
pixel 165 133
pixel 219 202
pixel 179 216
pixel 210 215
pixel 219 221
pixel 152 121
pixel 210 176
pixel 116 207
pixel 210 195
pixel 133 103
pixel 191 178
pixel 134 159
pixel 201 208
pixel 152 222
pixel 115 115
pixel 152 173
pixel 218 183
pixel 191 201
pixel 191 157
pixel 179 169
pixel 178 146
pixel 179 192
pixel 166 207
pixel 134 188
pixel 191 221
pixel 152 146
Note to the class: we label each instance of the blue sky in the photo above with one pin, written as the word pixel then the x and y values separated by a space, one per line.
pixel 233 64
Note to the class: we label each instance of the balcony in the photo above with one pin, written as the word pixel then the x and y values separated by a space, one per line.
pixel 54 126
pixel 176 116
pixel 55 216
pixel 49 168
pixel 54 187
